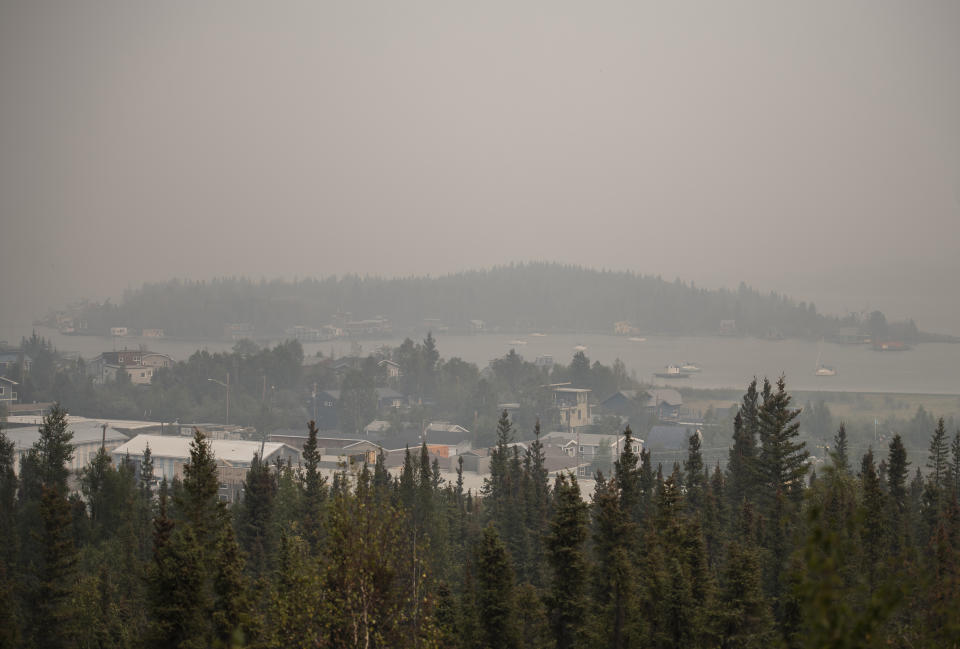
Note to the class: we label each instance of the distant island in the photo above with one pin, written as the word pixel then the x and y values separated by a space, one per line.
pixel 515 298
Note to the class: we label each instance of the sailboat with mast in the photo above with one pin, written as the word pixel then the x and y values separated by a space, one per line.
pixel 823 370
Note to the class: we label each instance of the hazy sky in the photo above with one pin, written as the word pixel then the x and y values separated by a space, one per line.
pixel 807 147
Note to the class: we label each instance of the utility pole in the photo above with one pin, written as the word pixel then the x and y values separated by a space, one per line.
pixel 227 386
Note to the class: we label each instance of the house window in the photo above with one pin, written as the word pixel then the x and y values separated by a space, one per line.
pixel 1 390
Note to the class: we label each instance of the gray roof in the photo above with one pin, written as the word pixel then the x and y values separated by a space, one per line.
pixel 629 394
pixel 668 438
pixel 382 393
pixel 585 439
pixel 24 437
pixel 229 451
pixel 666 395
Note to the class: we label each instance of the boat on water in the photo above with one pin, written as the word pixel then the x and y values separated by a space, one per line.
pixel 890 346
pixel 538 335
pixel 823 370
pixel 673 372
pixel 636 339
pixel 687 366
pixel 518 342
pixel 580 348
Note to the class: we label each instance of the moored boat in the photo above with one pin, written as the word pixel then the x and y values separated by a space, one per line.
pixel 673 372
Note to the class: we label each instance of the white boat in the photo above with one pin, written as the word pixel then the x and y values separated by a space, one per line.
pixel 580 348
pixel 673 372
pixel 538 335
pixel 687 366
pixel 518 342
pixel 635 339
pixel 823 370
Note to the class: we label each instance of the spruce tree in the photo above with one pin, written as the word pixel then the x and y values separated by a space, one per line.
pixel 233 622
pixel 146 474
pixel 897 471
pixel 533 623
pixel 495 486
pixel 54 450
pixel 198 595
pixel 513 526
pixel 429 357
pixel 613 580
pixel 47 545
pixel 295 616
pixel 938 460
pixel 648 484
pixel 954 482
pixel 9 623
pixel 839 455
pixel 742 618
pixel 495 593
pixel 830 615
pixel 627 473
pixel 565 553
pixel 53 618
pixel 873 530
pixel 408 482
pixel 314 490
pixel 740 470
pixel 782 463
pixel 694 477
pixel 423 504
pixel 255 524
pixel 942 615
pixel 537 504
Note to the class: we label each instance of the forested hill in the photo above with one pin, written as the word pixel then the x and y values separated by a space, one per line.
pixel 525 297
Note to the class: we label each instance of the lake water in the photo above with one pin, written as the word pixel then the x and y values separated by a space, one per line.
pixel 931 368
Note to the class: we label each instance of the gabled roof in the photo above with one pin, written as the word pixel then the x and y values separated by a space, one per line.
pixel 664 395
pixel 362 443
pixel 669 438
pixel 10 381
pixel 626 394
pixel 446 433
pixel 446 427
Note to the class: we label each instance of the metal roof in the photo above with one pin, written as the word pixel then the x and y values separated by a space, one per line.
pixel 228 450
pixel 83 433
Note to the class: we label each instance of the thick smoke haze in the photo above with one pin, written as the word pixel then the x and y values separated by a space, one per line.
pixel 810 148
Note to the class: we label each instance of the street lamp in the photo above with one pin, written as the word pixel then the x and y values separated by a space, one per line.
pixel 227 386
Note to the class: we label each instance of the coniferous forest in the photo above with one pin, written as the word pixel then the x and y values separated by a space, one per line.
pixel 544 296
pixel 762 554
